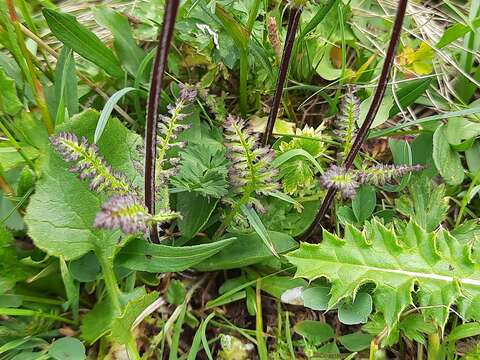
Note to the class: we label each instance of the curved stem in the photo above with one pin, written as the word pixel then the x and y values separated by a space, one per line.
pixel 372 112
pixel 160 63
pixel 293 19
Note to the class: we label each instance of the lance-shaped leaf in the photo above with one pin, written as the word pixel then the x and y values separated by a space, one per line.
pixel 435 263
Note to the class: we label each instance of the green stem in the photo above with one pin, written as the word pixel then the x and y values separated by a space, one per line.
pixel 113 291
pixel 111 283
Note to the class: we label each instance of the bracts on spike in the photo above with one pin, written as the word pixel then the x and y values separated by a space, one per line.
pixel 372 112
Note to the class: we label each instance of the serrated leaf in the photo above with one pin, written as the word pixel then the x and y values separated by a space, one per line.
pixel 61 212
pixel 446 159
pixel 139 255
pixel 436 263
pixel 81 40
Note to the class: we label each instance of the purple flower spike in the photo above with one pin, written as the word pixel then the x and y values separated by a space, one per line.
pixel 126 213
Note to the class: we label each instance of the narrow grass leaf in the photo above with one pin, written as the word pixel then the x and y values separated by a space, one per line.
pixel 107 110
pixel 255 221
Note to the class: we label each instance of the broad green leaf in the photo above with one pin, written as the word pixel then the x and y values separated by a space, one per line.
pixel 460 129
pixel 356 342
pixel 61 212
pixel 325 67
pixel 356 312
pixel 122 326
pixel 67 348
pixel 246 250
pixel 81 40
pixel 195 210
pixel 316 332
pixel 383 112
pixel 9 102
pixel 126 48
pixel 364 203
pixel 86 268
pixel 107 111
pixel 139 255
pixel 436 263
pixel 316 297
pixel 446 159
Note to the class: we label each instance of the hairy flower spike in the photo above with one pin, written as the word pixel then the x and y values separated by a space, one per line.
pixel 89 164
pixel 123 212
pixel 339 178
pixel 128 214
pixel 382 174
pixel 168 130
pixel 347 120
pixel 347 182
pixel 250 170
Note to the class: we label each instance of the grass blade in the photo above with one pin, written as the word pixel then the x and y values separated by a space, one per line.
pixel 107 111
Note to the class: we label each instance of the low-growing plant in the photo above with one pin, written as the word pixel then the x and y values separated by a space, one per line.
pixel 208 218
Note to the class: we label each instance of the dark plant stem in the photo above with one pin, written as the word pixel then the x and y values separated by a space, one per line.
pixel 160 63
pixel 293 20
pixel 372 112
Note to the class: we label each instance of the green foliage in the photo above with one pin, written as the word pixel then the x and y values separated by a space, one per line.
pixel 141 256
pixel 67 348
pixel 435 262
pixel 202 169
pixel 67 229
pixel 426 203
pixel 298 174
pixel 79 38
